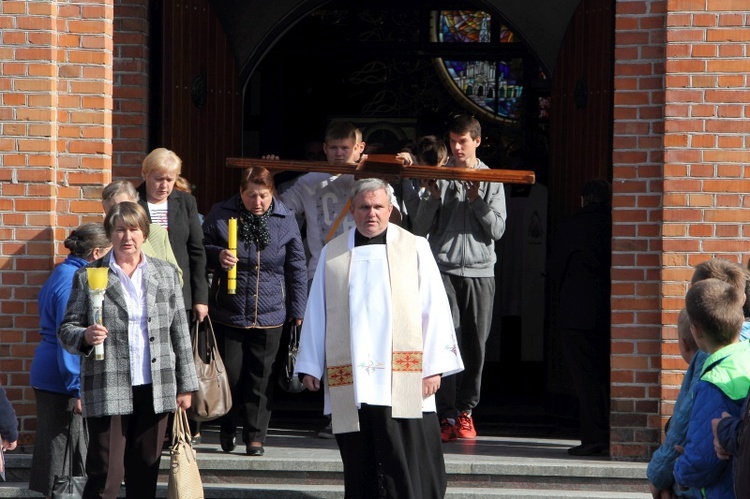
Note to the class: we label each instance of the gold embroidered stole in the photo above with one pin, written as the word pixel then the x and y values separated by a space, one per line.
pixel 406 361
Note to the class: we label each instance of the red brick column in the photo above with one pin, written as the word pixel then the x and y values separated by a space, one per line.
pixel 130 115
pixel 704 48
pixel 637 240
pixel 705 140
pixel 55 153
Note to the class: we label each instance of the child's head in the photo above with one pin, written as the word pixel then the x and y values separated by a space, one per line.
pixel 431 151
pixel 715 311
pixel 723 270
pixel 730 272
pixel 343 142
pixel 685 340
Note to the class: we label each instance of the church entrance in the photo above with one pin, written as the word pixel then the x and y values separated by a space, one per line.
pixel 536 74
pixel 401 73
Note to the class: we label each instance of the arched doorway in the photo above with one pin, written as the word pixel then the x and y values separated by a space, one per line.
pixel 398 73
pixel 301 65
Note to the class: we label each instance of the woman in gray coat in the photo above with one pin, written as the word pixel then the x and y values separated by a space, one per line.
pixel 147 370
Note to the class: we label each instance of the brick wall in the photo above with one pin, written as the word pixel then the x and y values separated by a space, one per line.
pixel 55 153
pixel 705 139
pixel 637 238
pixel 691 55
pixel 130 114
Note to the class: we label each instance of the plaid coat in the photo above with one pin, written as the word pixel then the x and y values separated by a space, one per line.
pixel 106 384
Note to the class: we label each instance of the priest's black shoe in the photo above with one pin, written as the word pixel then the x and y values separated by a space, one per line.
pixel 227 442
pixel 254 451
pixel 596 449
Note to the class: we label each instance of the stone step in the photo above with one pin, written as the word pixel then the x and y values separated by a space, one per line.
pixel 463 471
pixel 298 491
pixel 296 463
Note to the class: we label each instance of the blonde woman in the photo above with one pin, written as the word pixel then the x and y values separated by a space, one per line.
pixel 177 212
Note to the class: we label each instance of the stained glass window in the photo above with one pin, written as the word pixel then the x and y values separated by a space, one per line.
pixel 470 26
pixel 496 87
pixel 464 26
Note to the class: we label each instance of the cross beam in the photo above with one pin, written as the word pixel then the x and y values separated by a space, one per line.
pixel 390 168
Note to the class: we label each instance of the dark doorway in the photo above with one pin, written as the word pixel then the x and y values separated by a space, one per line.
pixel 281 70
pixel 381 67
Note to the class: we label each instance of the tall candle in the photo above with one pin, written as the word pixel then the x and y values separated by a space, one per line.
pixel 232 241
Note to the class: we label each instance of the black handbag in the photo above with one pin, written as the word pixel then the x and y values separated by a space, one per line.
pixel 288 381
pixel 69 486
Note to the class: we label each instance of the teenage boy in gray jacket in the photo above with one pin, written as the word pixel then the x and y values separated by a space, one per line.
pixel 462 221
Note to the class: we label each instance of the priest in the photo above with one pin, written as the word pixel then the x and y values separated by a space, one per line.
pixel 377 337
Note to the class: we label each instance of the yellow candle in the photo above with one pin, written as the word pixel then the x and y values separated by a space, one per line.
pixel 232 243
pixel 232 236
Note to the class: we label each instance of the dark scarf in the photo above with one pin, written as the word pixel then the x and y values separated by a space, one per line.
pixel 254 228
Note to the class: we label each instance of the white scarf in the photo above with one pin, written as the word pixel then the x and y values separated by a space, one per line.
pixel 406 388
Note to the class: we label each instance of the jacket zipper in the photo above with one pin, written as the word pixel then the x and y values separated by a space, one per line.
pixel 257 290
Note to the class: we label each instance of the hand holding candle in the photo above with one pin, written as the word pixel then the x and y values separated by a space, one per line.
pixel 97 287
pixel 232 243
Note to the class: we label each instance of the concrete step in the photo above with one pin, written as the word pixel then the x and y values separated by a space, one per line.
pixel 278 491
pixel 297 464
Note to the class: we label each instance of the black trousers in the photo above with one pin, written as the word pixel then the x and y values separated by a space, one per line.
pixel 471 300
pixel 249 356
pixel 393 458
pixel 127 446
pixel 587 355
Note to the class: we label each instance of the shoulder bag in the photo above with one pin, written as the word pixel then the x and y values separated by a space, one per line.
pixel 184 475
pixel 214 396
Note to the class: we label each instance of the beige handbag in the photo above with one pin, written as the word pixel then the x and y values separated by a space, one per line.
pixel 184 476
pixel 214 396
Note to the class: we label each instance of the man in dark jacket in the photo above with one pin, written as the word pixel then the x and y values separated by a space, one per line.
pixel 580 266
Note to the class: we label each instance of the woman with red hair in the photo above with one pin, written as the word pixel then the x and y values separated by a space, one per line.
pixel 271 290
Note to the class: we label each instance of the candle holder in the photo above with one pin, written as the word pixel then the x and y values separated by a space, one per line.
pixel 98 277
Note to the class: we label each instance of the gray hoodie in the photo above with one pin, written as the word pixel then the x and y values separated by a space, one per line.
pixel 462 234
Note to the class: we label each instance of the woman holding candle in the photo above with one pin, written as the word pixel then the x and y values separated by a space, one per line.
pixel 147 370
pixel 55 373
pixel 271 288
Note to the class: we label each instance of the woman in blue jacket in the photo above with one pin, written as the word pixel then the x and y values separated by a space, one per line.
pixel 55 373
pixel 271 289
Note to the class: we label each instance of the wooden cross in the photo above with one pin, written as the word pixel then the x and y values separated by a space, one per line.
pixel 389 167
